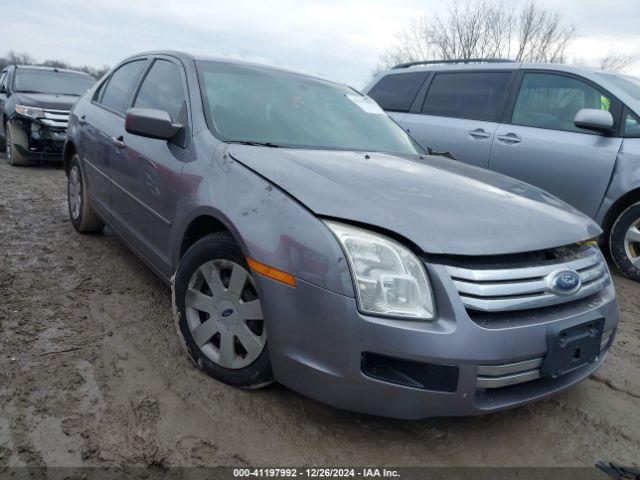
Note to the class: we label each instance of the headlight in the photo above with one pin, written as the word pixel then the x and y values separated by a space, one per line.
pixel 388 277
pixel 31 112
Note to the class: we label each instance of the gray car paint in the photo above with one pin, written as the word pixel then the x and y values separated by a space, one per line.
pixel 625 178
pixel 435 202
pixel 271 200
pixel 593 173
pixel 576 166
pixel 319 337
pixel 472 138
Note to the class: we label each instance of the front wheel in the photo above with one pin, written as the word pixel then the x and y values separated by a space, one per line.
pixel 220 314
pixel 624 242
pixel 81 213
pixel 14 157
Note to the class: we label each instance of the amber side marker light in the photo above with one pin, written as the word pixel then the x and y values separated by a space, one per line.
pixel 272 273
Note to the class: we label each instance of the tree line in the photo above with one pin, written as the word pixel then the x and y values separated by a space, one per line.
pixel 14 58
pixel 524 32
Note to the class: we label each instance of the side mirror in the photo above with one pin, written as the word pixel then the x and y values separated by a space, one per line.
pixel 594 119
pixel 151 123
pixel 3 89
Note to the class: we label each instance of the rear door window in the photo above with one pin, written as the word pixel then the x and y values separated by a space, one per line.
pixel 551 101
pixel 116 92
pixel 162 89
pixel 396 92
pixel 472 95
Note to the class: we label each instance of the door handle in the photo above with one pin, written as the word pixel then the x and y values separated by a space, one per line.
pixel 509 138
pixel 118 142
pixel 479 134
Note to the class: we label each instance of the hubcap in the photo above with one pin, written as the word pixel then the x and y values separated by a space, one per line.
pixel 75 192
pixel 224 314
pixel 632 243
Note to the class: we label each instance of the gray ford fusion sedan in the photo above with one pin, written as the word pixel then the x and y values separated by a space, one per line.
pixel 310 241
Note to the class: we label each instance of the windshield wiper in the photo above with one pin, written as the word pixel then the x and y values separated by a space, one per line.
pixel 258 144
pixel 28 91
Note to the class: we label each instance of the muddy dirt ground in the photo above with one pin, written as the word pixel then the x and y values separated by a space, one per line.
pixel 91 373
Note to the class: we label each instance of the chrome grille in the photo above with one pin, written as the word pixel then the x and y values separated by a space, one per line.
pixel 497 376
pixel 527 287
pixel 56 118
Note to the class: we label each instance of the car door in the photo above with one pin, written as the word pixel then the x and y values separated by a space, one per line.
pixel 101 125
pixel 541 145
pixel 460 113
pixel 146 171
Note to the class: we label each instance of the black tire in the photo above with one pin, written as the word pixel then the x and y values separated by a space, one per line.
pixel 216 247
pixel 14 157
pixel 85 219
pixel 621 257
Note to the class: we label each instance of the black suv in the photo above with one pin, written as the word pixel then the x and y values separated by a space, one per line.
pixel 34 107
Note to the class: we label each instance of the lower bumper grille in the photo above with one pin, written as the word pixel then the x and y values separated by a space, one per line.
pixel 425 376
pixel 498 376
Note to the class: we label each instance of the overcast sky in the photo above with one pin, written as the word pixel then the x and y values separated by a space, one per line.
pixel 340 40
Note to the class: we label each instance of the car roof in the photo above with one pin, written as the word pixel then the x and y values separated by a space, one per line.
pixel 185 56
pixel 50 69
pixel 494 65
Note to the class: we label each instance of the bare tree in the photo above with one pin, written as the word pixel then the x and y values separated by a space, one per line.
pixel 617 62
pixel 485 29
pixel 13 58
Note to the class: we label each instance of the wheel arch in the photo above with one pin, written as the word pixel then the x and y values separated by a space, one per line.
pixel 203 223
pixel 68 152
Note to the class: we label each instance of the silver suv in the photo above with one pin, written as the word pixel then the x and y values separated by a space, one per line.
pixel 571 131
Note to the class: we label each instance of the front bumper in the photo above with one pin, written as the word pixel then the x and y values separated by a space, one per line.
pixel 35 140
pixel 317 339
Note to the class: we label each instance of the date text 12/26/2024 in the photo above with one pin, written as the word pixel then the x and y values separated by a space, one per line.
pixel 315 473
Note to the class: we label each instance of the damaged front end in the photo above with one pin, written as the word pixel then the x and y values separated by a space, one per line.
pixel 39 133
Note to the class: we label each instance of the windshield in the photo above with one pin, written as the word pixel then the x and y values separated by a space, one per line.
pixel 260 105
pixel 630 85
pixel 48 81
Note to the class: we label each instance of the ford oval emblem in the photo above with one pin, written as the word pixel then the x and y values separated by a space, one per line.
pixel 564 282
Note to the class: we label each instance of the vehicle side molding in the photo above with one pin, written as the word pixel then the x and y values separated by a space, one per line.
pixel 594 119
pixel 151 123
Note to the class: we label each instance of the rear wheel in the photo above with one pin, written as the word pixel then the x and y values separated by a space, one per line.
pixel 220 313
pixel 81 213
pixel 624 242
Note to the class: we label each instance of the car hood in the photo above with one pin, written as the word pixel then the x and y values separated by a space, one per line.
pixel 441 205
pixel 46 100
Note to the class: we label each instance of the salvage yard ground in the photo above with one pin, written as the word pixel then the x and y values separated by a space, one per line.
pixel 91 373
